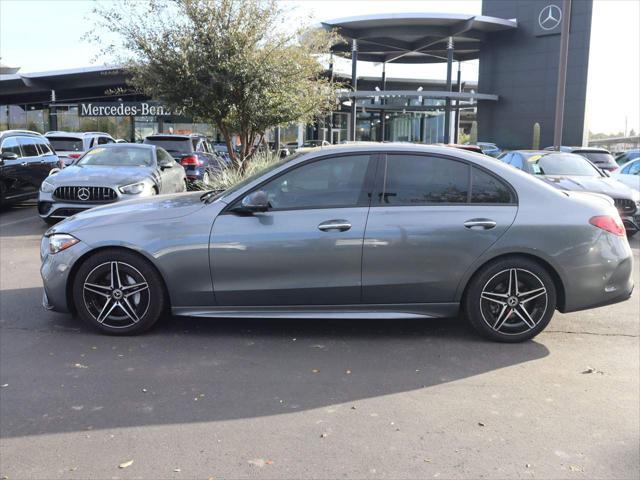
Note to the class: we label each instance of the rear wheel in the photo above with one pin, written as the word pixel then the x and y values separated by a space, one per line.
pixel 118 292
pixel 510 300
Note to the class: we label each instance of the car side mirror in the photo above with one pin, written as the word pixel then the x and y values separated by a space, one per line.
pixel 257 201
pixel 9 156
pixel 166 164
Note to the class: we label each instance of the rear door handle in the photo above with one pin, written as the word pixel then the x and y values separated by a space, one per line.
pixel 480 223
pixel 340 225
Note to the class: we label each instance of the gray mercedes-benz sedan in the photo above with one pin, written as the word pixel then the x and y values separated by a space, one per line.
pixel 352 231
pixel 106 174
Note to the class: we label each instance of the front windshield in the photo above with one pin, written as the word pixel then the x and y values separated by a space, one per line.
pixel 562 164
pixel 121 156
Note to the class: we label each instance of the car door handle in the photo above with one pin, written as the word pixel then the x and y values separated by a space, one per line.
pixel 484 223
pixel 23 164
pixel 340 225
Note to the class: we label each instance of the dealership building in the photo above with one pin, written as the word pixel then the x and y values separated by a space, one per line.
pixel 517 45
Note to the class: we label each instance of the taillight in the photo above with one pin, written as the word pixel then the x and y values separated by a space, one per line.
pixel 609 224
pixel 75 155
pixel 191 161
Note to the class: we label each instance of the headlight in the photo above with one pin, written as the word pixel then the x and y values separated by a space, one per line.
pixel 47 187
pixel 61 241
pixel 133 189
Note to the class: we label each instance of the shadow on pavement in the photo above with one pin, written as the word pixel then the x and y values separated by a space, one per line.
pixel 63 377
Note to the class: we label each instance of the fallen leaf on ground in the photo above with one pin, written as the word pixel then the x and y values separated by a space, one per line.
pixel 177 470
pixel 324 435
pixel 576 468
pixel 126 464
pixel 4 385
pixel 592 370
pixel 480 424
pixel 428 460
pixel 315 370
pixel 79 365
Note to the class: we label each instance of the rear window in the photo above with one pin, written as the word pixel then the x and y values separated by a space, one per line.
pixel 175 146
pixel 599 158
pixel 66 144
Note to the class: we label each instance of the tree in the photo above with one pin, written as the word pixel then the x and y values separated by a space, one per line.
pixel 231 63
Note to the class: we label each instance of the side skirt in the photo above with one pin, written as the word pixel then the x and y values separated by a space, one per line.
pixel 395 311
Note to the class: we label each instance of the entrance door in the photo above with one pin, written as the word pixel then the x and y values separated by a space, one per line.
pixel 307 248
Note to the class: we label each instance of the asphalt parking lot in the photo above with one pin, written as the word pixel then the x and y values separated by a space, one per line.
pixel 308 399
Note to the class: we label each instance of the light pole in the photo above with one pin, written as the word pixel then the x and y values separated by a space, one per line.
pixel 562 74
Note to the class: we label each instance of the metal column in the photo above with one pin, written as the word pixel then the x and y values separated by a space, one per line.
pixel 447 108
pixel 383 113
pixel 354 87
pixel 456 128
pixel 562 74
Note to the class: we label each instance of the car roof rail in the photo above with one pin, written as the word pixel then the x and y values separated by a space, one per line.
pixel 96 133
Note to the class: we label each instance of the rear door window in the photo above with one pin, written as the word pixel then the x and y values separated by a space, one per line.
pixel 104 140
pixel 29 148
pixel 43 147
pixel 423 180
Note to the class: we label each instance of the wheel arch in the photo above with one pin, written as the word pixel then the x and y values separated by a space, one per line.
pixel 553 272
pixel 78 263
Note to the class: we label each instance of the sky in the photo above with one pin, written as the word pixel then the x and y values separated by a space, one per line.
pixel 51 40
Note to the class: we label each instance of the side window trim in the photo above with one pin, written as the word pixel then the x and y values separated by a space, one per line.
pixel 365 197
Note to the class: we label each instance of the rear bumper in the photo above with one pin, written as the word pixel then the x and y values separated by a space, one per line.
pixel 604 276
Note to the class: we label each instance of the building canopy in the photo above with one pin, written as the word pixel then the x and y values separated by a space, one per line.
pixel 415 37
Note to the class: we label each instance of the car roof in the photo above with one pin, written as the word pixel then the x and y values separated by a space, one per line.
pixel 566 148
pixel 78 135
pixel 176 135
pixel 29 133
pixel 126 145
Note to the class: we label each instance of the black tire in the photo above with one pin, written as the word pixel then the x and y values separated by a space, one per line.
pixel 489 302
pixel 132 301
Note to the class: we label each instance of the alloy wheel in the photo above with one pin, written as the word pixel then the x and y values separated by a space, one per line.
pixel 116 294
pixel 513 301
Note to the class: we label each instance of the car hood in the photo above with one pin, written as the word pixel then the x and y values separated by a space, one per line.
pixel 100 176
pixel 142 211
pixel 603 185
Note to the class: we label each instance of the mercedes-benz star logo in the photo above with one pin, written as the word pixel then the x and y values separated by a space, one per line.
pixel 550 17
pixel 84 194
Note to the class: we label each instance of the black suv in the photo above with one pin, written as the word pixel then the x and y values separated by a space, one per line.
pixel 26 158
pixel 194 152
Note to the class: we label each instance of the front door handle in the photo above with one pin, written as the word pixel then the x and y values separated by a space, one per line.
pixel 340 225
pixel 480 223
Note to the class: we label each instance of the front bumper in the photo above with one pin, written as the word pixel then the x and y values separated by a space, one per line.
pixel 55 271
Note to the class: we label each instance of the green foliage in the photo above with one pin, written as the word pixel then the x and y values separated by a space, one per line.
pixel 230 176
pixel 233 63
pixel 536 136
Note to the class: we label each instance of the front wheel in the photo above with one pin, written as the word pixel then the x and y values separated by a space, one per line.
pixel 510 300
pixel 118 292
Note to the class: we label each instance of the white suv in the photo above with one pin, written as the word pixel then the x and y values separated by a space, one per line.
pixel 71 145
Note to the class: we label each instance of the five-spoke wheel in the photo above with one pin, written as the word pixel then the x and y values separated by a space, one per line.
pixel 511 300
pixel 118 292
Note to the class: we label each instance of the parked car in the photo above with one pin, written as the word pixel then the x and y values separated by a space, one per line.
pixel 69 146
pixel 629 174
pixel 315 143
pixel 193 152
pixel 627 156
pixel 572 172
pixel 349 231
pixel 26 158
pixel 600 157
pixel 106 174
pixel 222 150
pixel 490 149
pixel 283 151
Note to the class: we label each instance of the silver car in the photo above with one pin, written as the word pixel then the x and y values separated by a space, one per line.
pixel 107 174
pixel 353 231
